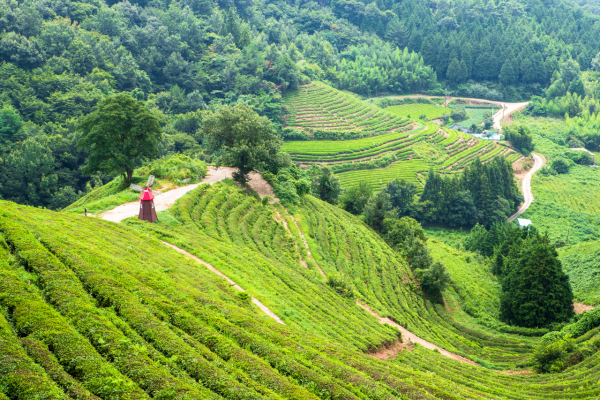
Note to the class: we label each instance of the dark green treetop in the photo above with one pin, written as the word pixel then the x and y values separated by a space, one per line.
pixel 120 131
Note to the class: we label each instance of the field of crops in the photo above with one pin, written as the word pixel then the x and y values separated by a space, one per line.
pixel 94 310
pixel 319 106
pixel 475 115
pixel 380 177
pixel 415 111
pixel 415 147
pixel 567 204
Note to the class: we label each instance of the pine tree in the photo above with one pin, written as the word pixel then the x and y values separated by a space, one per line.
pixel 245 39
pixel 232 26
pixel 507 73
pixel 454 73
pixel 535 292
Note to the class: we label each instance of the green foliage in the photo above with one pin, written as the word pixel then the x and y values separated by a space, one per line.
pixel 561 166
pixel 406 236
pixel 121 130
pixel 434 279
pixel 355 198
pixel 551 357
pixel 341 284
pixel 245 140
pixel 535 290
pixel 10 125
pixel 177 169
pixel 326 186
pixel 484 193
pixel 519 136
pixel 377 209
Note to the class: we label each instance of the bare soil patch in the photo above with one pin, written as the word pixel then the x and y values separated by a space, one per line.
pixel 580 307
pixel 391 352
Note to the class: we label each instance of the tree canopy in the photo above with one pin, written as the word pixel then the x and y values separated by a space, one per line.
pixel 121 130
pixel 244 139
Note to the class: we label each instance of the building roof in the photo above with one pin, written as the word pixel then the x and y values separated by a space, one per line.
pixel 524 222
pixel 147 195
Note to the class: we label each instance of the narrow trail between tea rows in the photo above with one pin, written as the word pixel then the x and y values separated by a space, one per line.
pixel 406 334
pixel 260 305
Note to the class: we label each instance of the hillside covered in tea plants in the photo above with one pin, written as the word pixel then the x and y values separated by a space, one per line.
pixel 122 315
pixel 362 142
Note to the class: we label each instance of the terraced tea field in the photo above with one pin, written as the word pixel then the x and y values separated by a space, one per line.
pixel 319 106
pixel 410 147
pixel 415 111
pixel 379 177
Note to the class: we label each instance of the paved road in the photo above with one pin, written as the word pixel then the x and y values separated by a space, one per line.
pixel 165 200
pixel 509 108
pixel 527 194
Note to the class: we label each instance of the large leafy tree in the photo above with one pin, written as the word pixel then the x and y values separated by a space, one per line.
pixel 244 139
pixel 535 290
pixel 326 186
pixel 118 133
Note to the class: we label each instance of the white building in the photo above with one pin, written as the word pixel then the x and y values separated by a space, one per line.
pixel 523 222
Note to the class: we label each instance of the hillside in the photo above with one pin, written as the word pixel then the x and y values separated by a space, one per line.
pixel 380 145
pixel 121 307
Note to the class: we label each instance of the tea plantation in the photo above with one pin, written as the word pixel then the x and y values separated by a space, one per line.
pixel 384 143
pixel 120 315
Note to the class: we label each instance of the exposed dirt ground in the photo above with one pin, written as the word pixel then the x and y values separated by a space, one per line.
pixel 580 307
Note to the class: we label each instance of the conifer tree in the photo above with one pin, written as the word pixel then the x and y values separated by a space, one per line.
pixel 535 291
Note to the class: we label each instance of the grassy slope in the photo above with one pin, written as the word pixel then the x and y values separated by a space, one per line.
pixel 117 313
pixel 564 204
pixel 582 263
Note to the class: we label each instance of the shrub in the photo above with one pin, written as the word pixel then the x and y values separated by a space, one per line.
pixel 177 168
pixel 551 357
pixel 560 166
pixel 341 284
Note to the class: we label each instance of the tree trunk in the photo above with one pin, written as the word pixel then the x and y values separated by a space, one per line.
pixel 129 174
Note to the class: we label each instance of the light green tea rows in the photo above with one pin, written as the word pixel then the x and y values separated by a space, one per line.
pixel 318 106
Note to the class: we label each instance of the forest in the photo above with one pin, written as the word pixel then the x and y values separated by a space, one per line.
pixel 57 61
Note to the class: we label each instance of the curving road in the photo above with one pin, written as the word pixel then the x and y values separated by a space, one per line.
pixel 165 200
pixel 509 108
pixel 539 162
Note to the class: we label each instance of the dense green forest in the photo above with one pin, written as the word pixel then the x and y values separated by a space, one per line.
pixel 58 60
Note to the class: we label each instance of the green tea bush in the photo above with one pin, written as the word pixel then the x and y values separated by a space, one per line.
pixel 552 356
pixel 177 168
pixel 341 284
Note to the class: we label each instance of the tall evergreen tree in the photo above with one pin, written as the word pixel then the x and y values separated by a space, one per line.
pixel 535 291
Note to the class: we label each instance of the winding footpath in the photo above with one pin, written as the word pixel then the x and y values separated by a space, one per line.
pixel 539 162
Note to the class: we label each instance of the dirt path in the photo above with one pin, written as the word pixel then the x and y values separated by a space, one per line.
pixel 505 111
pixel 260 305
pixel 165 200
pixel 406 335
pixel 581 308
pixel 539 162
pixel 412 338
